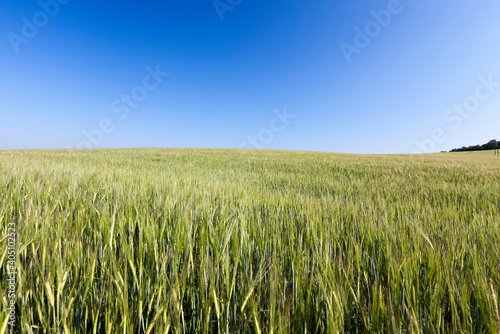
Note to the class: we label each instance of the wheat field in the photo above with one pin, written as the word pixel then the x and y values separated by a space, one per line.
pixel 246 241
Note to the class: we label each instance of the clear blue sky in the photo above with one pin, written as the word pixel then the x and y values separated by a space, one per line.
pixel 228 78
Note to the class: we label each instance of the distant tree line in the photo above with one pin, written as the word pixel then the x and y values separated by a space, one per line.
pixel 491 145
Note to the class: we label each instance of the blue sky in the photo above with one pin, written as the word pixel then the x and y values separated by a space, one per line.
pixel 233 66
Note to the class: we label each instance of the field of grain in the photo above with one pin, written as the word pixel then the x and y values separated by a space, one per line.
pixel 244 241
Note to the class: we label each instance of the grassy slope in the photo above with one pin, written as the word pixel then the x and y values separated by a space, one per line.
pixel 252 241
